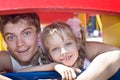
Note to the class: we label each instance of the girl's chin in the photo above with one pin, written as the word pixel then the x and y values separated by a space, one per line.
pixel 70 65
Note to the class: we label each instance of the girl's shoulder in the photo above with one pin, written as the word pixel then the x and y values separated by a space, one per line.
pixel 86 63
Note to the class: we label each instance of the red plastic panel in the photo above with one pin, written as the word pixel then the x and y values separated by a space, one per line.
pixel 99 5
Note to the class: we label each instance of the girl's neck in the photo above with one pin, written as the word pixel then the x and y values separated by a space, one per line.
pixel 79 63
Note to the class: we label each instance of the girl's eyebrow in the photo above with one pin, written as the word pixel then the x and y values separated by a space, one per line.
pixel 69 39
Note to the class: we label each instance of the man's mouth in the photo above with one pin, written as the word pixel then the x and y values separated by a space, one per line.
pixel 22 50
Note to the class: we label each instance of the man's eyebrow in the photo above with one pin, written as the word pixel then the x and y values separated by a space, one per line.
pixel 8 33
pixel 26 29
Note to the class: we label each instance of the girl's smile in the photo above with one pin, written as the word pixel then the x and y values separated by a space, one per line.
pixel 66 59
pixel 63 49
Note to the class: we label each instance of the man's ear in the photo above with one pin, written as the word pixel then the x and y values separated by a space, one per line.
pixel 38 32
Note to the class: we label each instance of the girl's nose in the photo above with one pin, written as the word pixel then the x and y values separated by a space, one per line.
pixel 63 51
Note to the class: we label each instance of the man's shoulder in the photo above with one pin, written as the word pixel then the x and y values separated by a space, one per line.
pixel 5 61
pixel 4 54
pixel 5 51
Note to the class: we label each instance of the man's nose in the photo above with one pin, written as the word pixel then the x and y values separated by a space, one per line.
pixel 20 42
pixel 63 51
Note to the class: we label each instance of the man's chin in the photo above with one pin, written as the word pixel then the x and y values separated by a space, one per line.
pixel 24 60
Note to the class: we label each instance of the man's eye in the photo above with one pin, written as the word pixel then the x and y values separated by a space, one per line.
pixel 11 38
pixel 27 34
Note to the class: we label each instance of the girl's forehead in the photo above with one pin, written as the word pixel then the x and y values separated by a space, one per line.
pixel 60 36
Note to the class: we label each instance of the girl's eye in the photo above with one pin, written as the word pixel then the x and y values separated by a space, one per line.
pixel 28 33
pixel 11 38
pixel 55 49
pixel 68 44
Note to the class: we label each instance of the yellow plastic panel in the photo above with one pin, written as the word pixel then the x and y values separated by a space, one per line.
pixel 111 29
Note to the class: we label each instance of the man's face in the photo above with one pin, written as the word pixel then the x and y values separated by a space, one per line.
pixel 21 40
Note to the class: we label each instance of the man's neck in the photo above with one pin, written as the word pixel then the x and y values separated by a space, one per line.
pixel 34 61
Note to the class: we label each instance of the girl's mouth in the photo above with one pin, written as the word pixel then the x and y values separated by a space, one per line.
pixel 67 58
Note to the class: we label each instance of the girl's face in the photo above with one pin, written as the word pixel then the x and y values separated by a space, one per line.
pixel 63 49
pixel 21 40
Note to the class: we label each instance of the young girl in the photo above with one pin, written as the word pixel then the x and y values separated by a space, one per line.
pixel 64 47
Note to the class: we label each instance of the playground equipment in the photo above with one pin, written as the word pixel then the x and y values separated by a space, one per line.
pixel 50 10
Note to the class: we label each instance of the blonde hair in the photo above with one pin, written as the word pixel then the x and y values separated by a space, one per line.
pixel 60 28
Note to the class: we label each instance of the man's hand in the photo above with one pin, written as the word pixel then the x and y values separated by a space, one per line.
pixel 4 78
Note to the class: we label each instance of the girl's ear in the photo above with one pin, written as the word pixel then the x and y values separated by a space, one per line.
pixel 78 41
pixel 80 35
pixel 48 55
pixel 50 58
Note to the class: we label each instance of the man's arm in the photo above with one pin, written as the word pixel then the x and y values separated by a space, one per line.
pixel 4 78
pixel 93 49
pixel 102 67
pixel 46 67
